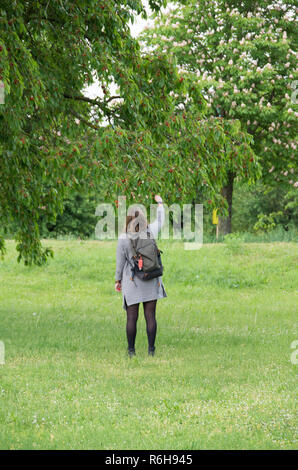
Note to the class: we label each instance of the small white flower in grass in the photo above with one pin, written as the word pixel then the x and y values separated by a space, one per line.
pixel 271 169
pixel 287 65
pixel 295 184
pixel 234 104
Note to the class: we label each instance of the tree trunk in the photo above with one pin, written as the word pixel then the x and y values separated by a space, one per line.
pixel 225 223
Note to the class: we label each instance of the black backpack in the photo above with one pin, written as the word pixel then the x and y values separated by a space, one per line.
pixel 146 257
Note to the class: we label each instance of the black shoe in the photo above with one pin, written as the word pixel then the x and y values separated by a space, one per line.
pixel 151 351
pixel 131 352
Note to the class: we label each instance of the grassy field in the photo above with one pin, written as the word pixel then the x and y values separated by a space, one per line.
pixel 221 378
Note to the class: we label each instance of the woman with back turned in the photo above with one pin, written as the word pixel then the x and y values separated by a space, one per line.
pixel 134 289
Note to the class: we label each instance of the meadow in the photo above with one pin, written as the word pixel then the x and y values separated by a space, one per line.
pixel 221 378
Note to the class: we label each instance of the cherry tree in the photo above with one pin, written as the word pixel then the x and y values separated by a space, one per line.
pixel 51 135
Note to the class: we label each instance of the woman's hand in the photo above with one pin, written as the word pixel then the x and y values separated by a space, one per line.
pixel 158 199
pixel 118 286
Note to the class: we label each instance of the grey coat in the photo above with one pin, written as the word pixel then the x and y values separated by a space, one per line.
pixel 136 291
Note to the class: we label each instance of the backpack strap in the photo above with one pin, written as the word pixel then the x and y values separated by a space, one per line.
pixel 134 254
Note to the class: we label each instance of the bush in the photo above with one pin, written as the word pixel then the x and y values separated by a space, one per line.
pixel 252 201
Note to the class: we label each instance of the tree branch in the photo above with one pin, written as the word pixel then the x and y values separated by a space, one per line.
pixel 101 104
pixel 85 121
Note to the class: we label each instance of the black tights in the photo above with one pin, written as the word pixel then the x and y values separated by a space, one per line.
pixel 151 325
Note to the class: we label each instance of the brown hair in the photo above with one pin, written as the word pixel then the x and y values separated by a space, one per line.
pixel 135 220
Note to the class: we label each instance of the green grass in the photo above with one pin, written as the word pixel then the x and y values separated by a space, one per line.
pixel 221 378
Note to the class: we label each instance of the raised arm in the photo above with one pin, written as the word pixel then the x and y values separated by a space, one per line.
pixel 120 260
pixel 155 227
